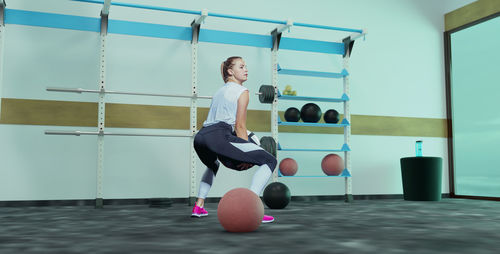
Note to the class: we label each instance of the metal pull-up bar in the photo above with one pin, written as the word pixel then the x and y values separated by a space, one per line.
pixel 220 15
pixel 105 133
pixel 81 90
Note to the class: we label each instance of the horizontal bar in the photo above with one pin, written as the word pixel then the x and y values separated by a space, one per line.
pixel 345 148
pixel 329 27
pixel 313 176
pixel 81 90
pixel 79 133
pixel 313 73
pixel 310 150
pixel 312 124
pixel 272 21
pixel 344 173
pixel 138 6
pixel 307 98
pixel 220 15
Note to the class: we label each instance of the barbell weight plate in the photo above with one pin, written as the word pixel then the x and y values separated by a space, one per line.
pixel 268 144
pixel 266 94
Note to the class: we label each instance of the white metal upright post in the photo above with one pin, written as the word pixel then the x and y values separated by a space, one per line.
pixel 347 116
pixel 195 26
pixel 2 35
pixel 101 104
pixel 274 81
pixel 193 115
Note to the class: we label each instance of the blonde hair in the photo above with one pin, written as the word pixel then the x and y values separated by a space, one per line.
pixel 226 65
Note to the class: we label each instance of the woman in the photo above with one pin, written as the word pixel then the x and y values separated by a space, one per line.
pixel 224 136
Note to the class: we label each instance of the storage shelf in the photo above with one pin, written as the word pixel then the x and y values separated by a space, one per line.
pixel 320 74
pixel 345 148
pixel 312 176
pixel 343 124
pixel 308 98
pixel 345 173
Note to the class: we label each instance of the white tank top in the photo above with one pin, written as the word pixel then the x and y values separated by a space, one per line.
pixel 224 104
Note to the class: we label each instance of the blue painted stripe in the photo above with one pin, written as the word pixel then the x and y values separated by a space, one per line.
pixel 307 98
pixel 149 30
pixel 345 148
pixel 311 73
pixel 310 150
pixel 312 124
pixel 345 173
pixel 243 39
pixel 312 46
pixel 314 176
pixel 31 18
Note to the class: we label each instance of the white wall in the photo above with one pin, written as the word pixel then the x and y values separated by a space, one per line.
pixel 397 71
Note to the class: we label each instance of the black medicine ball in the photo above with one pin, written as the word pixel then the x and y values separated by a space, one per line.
pixel 292 114
pixel 331 116
pixel 277 195
pixel 310 113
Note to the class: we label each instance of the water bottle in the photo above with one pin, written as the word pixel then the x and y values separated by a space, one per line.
pixel 418 148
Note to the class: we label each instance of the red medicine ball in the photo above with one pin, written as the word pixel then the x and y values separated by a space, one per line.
pixel 288 167
pixel 240 210
pixel 332 164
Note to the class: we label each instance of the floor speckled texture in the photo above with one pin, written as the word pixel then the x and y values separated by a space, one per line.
pixel 364 226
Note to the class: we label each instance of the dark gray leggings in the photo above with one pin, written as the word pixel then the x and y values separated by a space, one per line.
pixel 217 142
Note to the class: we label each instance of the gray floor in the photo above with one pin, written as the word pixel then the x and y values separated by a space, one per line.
pixel 364 226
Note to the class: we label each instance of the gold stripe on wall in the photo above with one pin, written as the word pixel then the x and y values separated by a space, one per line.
pixel 146 116
pixel 67 113
pixel 44 112
pixel 470 13
pixel 398 126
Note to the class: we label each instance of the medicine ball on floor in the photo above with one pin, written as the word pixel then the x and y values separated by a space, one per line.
pixel 331 116
pixel 277 195
pixel 292 114
pixel 288 167
pixel 240 210
pixel 310 113
pixel 332 165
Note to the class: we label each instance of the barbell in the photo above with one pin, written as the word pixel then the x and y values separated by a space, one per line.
pixel 266 94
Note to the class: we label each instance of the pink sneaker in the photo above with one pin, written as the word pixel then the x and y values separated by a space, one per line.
pixel 198 211
pixel 267 219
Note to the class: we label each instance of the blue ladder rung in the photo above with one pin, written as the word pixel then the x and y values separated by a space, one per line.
pixel 313 176
pixel 343 124
pixel 345 173
pixel 308 98
pixel 310 150
pixel 342 74
pixel 344 148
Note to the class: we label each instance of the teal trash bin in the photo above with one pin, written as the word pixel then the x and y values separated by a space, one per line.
pixel 422 178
